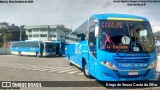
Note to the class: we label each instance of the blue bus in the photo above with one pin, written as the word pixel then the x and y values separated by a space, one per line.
pixel 113 47
pixel 36 48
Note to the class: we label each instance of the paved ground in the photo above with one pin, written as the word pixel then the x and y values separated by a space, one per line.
pixel 50 66
pixel 24 68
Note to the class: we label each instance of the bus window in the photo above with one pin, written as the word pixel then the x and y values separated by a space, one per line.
pixel 50 46
pixel 111 34
pixel 41 48
pixel 141 34
pixel 82 36
pixel 92 41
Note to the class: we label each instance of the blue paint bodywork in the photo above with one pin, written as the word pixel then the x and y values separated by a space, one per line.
pixel 124 62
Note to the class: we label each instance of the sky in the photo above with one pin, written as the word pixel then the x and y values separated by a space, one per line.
pixel 72 13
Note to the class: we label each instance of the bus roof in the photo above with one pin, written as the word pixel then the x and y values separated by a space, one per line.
pixel 37 41
pixel 115 17
pixel 122 16
pixel 26 41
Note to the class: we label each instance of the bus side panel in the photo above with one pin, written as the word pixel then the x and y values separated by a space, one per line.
pixel 67 52
pixel 23 50
pixel 83 53
pixel 33 50
pixel 76 52
pixel 29 50
pixel 14 50
pixel 70 52
pixel 72 55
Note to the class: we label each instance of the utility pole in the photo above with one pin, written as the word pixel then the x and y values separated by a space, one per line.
pixel 20 34
pixel 48 35
pixel 5 44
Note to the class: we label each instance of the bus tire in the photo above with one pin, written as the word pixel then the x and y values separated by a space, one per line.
pixel 71 64
pixel 85 70
pixel 19 53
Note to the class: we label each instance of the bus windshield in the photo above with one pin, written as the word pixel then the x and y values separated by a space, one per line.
pixel 126 36
pixel 50 46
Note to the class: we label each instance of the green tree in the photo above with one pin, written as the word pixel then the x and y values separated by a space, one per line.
pixel 14 31
pixel 11 32
pixel 4 33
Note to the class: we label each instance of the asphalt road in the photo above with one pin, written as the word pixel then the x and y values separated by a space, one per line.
pixel 27 68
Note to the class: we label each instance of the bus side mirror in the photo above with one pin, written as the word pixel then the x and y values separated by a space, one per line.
pixel 96 31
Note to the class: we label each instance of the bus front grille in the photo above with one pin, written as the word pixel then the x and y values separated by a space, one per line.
pixel 131 59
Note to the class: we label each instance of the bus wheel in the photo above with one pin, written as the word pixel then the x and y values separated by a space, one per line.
pixel 70 63
pixel 19 53
pixel 86 71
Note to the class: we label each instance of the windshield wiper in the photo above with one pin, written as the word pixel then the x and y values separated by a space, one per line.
pixel 142 45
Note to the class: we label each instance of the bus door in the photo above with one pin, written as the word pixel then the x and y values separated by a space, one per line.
pixel 57 48
pixel 41 48
pixel 92 51
pixel 62 48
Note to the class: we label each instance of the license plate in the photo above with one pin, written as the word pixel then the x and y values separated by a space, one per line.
pixel 133 73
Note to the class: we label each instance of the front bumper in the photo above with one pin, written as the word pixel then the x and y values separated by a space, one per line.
pixel 107 74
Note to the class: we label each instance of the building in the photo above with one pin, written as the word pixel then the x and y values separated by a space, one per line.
pixel 46 32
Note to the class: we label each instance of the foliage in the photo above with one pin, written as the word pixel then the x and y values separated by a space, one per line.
pixel 10 32
pixel 157 35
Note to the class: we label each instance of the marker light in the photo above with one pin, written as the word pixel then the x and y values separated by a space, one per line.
pixel 153 64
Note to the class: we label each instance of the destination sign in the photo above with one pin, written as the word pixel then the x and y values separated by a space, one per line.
pixel 122 47
pixel 112 24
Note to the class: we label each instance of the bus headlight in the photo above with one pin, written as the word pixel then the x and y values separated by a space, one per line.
pixel 109 65
pixel 153 64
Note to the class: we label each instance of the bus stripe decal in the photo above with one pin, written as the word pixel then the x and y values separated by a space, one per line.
pixel 129 19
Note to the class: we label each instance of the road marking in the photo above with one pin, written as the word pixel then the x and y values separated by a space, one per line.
pixel 51 69
pixel 73 72
pixel 14 67
pixel 47 66
pixel 27 68
pixel 81 73
pixel 67 70
pixel 32 67
pixel 54 70
pixel 38 68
